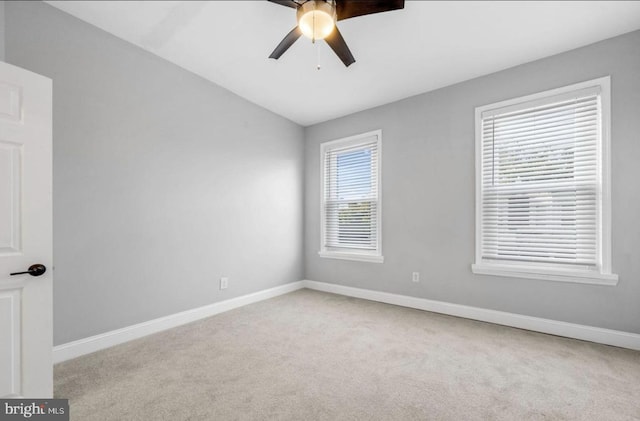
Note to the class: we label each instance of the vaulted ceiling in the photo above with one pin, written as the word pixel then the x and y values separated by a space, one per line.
pixel 425 46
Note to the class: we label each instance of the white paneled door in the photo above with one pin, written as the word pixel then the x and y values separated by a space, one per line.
pixel 25 234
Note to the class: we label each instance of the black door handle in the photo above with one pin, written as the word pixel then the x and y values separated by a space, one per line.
pixel 34 270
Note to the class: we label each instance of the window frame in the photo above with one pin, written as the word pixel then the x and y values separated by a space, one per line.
pixel 372 256
pixel 602 275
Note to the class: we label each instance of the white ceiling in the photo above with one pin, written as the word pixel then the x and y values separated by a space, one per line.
pixel 428 45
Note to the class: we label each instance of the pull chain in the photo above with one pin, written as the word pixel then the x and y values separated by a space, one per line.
pixel 313 27
pixel 313 41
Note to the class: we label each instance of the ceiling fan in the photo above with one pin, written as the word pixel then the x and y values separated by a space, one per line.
pixel 317 20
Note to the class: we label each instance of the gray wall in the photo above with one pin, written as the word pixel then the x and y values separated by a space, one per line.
pixel 2 30
pixel 428 193
pixel 163 182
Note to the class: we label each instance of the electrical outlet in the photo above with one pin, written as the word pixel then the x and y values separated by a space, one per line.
pixel 224 283
pixel 415 276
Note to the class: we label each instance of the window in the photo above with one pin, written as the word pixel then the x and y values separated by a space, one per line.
pixel 542 186
pixel 350 213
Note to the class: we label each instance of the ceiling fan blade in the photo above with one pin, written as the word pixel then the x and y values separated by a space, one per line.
pixel 339 46
pixel 286 43
pixel 346 9
pixel 288 3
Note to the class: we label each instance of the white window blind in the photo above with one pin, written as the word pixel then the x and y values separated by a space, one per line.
pixel 540 182
pixel 350 199
pixel 543 200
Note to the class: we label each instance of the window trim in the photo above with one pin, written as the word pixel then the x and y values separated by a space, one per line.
pixel 604 275
pixel 373 256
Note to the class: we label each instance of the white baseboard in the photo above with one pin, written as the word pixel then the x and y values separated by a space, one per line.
pixel 553 327
pixel 95 343
pixel 115 337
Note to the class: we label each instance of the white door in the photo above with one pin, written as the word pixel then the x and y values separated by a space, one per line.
pixel 26 344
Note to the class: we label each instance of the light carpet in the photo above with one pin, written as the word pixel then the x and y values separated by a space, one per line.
pixel 310 355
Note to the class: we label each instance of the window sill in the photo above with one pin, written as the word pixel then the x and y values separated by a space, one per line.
pixel 359 257
pixel 546 274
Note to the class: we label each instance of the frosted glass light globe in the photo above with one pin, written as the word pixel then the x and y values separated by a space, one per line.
pixel 316 19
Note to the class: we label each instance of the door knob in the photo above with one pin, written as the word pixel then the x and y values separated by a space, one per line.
pixel 34 270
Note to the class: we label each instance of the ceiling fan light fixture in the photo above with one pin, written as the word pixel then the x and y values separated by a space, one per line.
pixel 317 18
